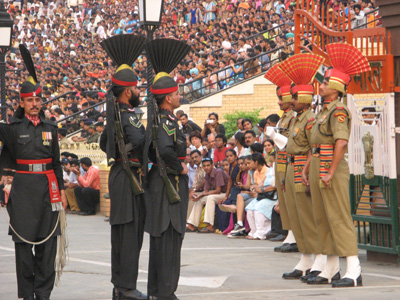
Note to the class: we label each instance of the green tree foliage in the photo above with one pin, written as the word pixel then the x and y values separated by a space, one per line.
pixel 231 125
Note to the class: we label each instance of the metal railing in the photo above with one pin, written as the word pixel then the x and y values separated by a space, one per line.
pixel 230 76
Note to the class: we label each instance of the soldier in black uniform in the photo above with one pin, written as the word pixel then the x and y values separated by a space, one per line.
pixel 37 195
pixel 166 221
pixel 127 215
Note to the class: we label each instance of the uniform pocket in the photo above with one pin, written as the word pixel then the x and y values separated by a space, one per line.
pixel 23 140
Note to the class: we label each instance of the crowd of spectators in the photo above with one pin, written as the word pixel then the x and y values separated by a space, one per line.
pixel 232 180
pixel 232 40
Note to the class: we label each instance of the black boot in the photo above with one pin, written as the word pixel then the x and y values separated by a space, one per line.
pixel 309 275
pixel 295 274
pixel 323 280
pixel 128 294
pixel 348 282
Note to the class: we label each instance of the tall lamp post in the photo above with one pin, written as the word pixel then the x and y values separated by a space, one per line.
pixel 150 12
pixel 6 25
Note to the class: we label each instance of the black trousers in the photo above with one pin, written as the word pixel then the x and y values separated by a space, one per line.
pixel 126 243
pixel 35 272
pixel 87 198
pixel 276 223
pixel 164 263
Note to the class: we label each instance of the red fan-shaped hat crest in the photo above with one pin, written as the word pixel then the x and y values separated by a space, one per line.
pixel 277 77
pixel 301 68
pixel 346 60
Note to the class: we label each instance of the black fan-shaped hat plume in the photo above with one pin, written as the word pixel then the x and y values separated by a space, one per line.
pixel 124 49
pixel 166 54
pixel 26 56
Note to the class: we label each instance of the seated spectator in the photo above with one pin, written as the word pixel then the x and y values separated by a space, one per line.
pixel 70 183
pixel 256 148
pixel 211 125
pixel 216 181
pixel 248 125
pixel 261 127
pixel 209 146
pixel 257 173
pixel 249 139
pixel 237 69
pixel 191 167
pixel 272 120
pixel 229 204
pixel 225 166
pixel 195 141
pixel 240 145
pixel 259 211
pixel 88 192
pixel 188 126
pixel 198 179
pixel 269 147
pixel 220 148
pixel 94 136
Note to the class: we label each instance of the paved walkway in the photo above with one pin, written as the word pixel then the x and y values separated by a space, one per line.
pixel 213 268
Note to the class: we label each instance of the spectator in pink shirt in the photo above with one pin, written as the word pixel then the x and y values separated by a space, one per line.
pixel 88 192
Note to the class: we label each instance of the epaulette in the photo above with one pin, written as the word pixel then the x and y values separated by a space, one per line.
pixel 310 120
pixel 340 108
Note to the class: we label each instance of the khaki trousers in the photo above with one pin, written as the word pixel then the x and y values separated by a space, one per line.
pixel 331 205
pixel 209 213
pixel 73 204
pixel 279 176
pixel 301 215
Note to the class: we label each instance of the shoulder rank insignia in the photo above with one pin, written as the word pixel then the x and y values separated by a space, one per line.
pixel 169 131
pixel 310 120
pixel 339 107
pixel 341 116
pixel 131 109
pixel 171 117
pixel 134 122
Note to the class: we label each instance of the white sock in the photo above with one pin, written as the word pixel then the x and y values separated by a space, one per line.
pixel 290 238
pixel 240 223
pixel 353 268
pixel 319 263
pixel 305 263
pixel 331 267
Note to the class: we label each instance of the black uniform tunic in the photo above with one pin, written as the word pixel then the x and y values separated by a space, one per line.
pixel 165 222
pixel 128 212
pixel 29 203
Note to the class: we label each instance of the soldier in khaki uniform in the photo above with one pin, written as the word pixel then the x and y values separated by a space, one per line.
pixel 329 171
pixel 276 76
pixel 298 201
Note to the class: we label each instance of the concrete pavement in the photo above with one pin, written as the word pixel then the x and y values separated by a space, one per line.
pixel 213 268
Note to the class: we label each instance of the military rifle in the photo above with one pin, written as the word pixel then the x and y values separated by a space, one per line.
pixel 172 194
pixel 135 185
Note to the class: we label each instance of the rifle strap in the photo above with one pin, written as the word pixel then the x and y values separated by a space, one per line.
pixel 177 183
pixel 140 171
